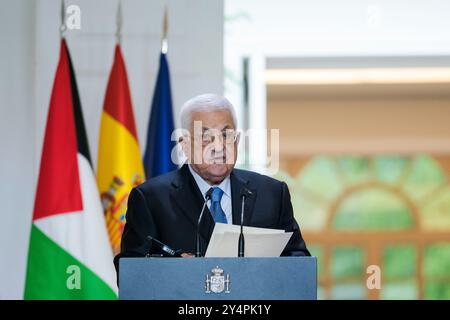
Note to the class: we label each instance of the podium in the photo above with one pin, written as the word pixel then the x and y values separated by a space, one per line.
pixel 283 278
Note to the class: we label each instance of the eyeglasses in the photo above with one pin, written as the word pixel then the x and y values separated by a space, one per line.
pixel 228 136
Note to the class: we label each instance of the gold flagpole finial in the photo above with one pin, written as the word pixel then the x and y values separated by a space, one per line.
pixel 63 28
pixel 119 20
pixel 164 44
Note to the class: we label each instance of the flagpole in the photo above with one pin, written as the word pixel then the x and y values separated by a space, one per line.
pixel 164 43
pixel 63 28
pixel 119 20
pixel 158 150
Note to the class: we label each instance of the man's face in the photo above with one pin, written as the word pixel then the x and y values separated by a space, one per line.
pixel 212 145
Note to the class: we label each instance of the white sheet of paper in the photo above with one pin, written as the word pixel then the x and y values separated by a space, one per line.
pixel 220 228
pixel 259 242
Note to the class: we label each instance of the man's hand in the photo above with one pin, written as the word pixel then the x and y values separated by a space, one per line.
pixel 187 255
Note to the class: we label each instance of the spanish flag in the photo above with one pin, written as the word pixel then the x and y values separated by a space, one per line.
pixel 120 166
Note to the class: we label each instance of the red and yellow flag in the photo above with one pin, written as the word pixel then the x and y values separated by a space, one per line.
pixel 120 165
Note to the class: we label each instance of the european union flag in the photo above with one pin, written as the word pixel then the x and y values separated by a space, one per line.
pixel 157 159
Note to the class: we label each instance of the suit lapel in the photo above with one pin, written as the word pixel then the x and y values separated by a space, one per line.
pixel 237 183
pixel 189 200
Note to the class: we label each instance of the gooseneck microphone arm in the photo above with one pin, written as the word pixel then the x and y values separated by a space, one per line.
pixel 241 235
pixel 244 194
pixel 207 198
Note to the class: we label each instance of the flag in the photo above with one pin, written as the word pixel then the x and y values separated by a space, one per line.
pixel 69 255
pixel 157 157
pixel 120 165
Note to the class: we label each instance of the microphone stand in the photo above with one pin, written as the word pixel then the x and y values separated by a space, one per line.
pixel 241 235
pixel 207 198
pixel 244 194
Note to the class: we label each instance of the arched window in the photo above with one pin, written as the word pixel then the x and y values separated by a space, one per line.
pixel 389 211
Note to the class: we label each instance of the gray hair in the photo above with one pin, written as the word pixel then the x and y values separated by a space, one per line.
pixel 205 103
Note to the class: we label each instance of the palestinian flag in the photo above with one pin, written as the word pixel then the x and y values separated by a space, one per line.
pixel 69 254
pixel 120 166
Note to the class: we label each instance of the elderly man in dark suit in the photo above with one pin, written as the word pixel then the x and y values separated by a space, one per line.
pixel 167 207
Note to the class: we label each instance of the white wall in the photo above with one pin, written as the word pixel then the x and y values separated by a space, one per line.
pixel 327 28
pixel 261 29
pixel 17 131
pixel 29 49
pixel 334 28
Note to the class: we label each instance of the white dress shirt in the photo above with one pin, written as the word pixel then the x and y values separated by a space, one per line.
pixel 225 185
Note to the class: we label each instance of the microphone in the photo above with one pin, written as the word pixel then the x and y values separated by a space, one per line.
pixel 164 248
pixel 244 194
pixel 207 198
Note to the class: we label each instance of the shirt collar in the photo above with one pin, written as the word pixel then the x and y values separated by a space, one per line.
pixel 204 186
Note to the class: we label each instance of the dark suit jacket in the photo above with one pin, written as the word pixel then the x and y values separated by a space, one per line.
pixel 167 207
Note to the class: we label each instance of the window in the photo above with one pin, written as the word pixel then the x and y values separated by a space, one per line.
pixel 391 211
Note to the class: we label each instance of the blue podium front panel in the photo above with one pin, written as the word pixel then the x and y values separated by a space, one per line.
pixel 283 278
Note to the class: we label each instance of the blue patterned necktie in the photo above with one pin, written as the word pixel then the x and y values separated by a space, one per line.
pixel 216 209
